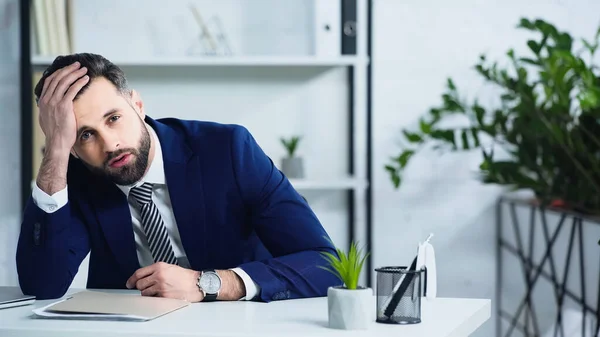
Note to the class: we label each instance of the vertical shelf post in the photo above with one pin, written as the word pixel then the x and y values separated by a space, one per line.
pixel 26 89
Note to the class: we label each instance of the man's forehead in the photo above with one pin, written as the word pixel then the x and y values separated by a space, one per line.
pixel 99 97
pixel 97 90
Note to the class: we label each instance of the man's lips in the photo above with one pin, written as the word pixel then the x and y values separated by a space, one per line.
pixel 120 160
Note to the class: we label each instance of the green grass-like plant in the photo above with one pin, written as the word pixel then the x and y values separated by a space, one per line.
pixel 291 145
pixel 347 267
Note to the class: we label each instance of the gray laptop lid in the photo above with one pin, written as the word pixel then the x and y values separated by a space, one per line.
pixel 13 294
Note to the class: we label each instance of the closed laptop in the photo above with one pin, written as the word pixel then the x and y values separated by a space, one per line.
pixel 13 297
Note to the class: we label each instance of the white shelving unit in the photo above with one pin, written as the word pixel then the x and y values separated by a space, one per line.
pixel 244 61
pixel 352 186
pixel 329 184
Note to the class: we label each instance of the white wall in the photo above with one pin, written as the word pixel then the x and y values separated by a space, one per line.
pixel 10 166
pixel 417 45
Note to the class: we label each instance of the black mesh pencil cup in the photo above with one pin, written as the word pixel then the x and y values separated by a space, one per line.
pixel 399 295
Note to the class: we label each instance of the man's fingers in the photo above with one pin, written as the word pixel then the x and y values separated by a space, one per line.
pixel 146 282
pixel 59 81
pixel 45 86
pixel 140 273
pixel 63 85
pixel 56 77
pixel 74 89
pixel 152 291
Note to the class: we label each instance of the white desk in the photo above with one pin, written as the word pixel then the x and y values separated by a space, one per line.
pixel 305 317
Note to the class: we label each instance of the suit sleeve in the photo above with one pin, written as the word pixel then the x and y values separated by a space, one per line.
pixel 285 224
pixel 50 249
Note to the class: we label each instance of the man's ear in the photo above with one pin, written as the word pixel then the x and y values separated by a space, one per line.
pixel 138 104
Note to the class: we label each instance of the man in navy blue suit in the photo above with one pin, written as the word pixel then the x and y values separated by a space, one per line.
pixel 174 208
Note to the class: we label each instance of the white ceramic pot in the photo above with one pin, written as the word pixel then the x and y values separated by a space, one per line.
pixel 350 309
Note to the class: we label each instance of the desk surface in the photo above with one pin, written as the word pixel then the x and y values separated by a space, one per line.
pixel 302 317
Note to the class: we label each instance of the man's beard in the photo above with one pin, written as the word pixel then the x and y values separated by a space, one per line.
pixel 131 173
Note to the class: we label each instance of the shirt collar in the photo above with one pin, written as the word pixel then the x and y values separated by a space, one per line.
pixel 156 173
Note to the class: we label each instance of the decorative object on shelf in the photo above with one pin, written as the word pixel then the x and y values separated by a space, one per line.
pixel 350 306
pixel 292 166
pixel 211 39
pixel 546 124
pixel 215 26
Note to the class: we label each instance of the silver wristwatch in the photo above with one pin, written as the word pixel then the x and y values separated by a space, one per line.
pixel 209 283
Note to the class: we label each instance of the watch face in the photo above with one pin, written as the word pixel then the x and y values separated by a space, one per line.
pixel 210 283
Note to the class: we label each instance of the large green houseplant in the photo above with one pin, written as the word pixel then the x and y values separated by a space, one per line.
pixel 547 123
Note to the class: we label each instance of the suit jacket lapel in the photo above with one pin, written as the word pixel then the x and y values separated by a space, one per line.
pixel 114 216
pixel 183 175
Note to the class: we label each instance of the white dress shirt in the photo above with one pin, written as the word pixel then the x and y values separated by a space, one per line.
pixel 160 197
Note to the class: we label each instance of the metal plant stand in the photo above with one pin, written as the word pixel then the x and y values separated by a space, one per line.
pixel 548 263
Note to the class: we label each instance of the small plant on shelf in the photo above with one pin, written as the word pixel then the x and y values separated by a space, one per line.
pixel 291 145
pixel 292 165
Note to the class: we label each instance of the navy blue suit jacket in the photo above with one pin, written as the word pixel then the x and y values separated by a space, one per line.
pixel 233 208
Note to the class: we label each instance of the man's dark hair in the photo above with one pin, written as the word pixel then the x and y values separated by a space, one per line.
pixel 97 66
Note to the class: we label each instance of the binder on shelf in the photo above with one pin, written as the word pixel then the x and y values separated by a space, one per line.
pixel 327 27
pixel 348 27
pixel 50 27
pixel 61 29
pixel 41 27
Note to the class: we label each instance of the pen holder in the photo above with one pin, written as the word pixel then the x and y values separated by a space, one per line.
pixel 398 295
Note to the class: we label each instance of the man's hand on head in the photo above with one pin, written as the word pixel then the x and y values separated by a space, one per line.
pixel 57 121
pixel 171 281
pixel 57 116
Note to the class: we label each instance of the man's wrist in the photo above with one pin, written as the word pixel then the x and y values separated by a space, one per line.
pixel 232 286
pixel 199 296
pixel 56 148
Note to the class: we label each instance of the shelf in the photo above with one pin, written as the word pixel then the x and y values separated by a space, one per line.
pixel 248 61
pixel 332 184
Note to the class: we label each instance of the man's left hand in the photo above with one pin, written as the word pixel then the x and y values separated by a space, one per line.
pixel 166 280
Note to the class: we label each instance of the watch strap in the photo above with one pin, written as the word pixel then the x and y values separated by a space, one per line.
pixel 209 297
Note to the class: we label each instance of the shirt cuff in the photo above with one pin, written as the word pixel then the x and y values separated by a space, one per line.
pixel 47 203
pixel 252 288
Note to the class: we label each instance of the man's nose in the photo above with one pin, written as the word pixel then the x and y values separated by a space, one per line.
pixel 111 142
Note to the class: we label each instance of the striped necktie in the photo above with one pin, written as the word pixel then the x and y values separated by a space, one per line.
pixel 153 225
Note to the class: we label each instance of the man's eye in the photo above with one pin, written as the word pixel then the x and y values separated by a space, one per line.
pixel 114 118
pixel 86 135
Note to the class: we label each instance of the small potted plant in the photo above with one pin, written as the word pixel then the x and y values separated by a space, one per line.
pixel 291 165
pixel 350 306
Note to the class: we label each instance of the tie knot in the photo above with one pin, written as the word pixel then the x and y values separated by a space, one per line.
pixel 142 193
